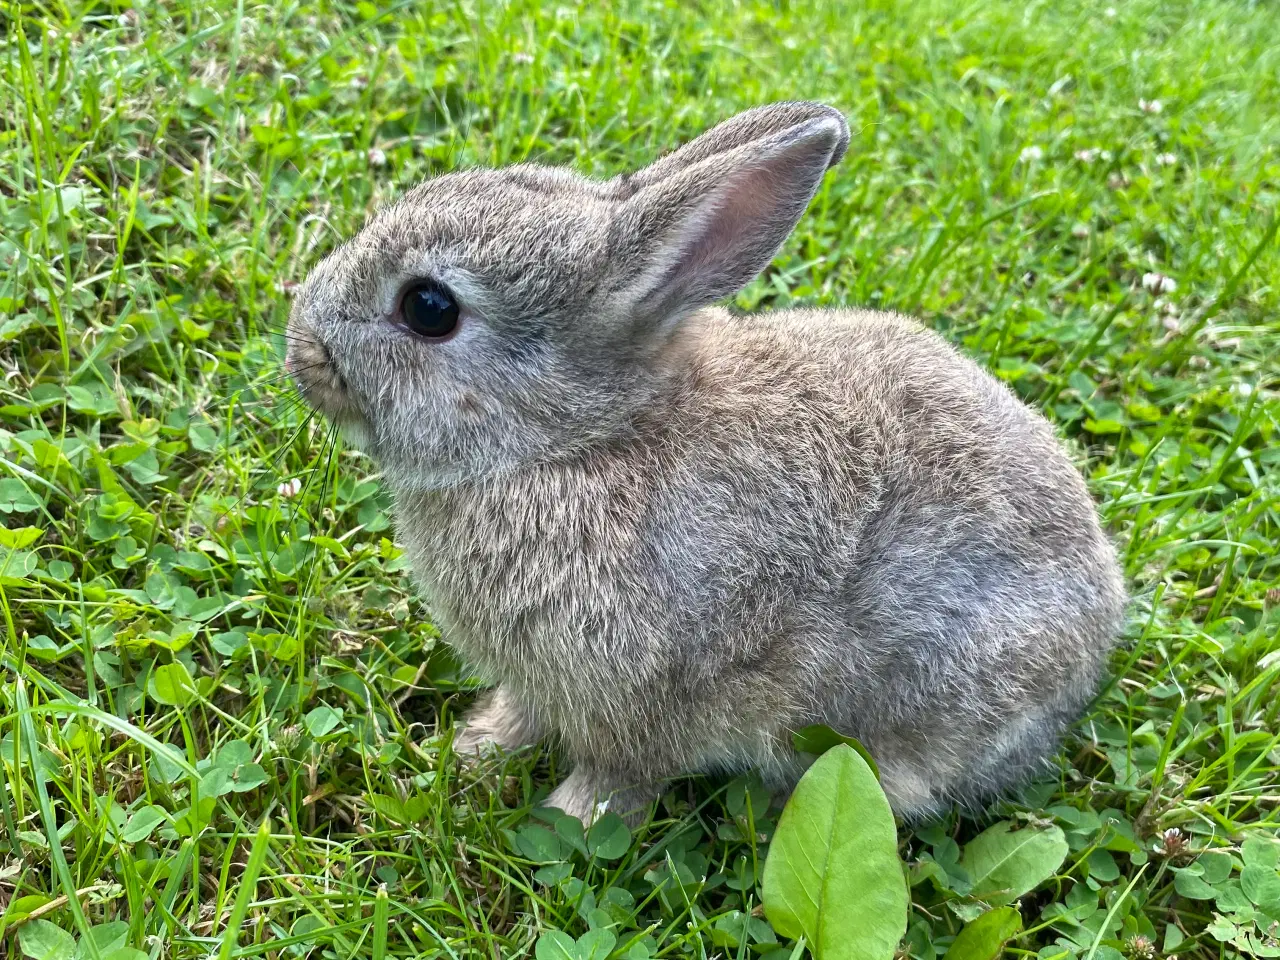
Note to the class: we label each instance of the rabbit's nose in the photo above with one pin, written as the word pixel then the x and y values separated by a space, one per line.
pixel 304 352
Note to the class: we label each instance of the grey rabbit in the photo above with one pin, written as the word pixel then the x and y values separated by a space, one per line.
pixel 670 535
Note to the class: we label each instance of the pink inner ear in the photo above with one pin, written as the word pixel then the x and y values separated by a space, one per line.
pixel 739 228
pixel 712 227
pixel 740 222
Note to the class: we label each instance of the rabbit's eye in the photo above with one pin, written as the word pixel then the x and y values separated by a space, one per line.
pixel 429 311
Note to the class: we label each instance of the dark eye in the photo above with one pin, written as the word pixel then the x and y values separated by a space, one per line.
pixel 429 311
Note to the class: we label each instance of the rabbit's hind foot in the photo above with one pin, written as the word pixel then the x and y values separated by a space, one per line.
pixel 588 794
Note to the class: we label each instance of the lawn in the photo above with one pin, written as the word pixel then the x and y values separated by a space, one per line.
pixel 1082 196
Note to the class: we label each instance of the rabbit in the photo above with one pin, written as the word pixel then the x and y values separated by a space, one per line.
pixel 668 535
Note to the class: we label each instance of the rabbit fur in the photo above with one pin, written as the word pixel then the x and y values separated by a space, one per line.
pixel 670 535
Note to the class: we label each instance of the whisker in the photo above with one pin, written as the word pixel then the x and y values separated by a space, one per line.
pixel 273 463
pixel 324 493
pixel 288 406
pixel 302 496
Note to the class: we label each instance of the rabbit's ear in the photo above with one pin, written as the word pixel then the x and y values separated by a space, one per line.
pixel 737 131
pixel 702 233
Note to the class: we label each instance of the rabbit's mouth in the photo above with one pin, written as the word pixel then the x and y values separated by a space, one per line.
pixel 308 362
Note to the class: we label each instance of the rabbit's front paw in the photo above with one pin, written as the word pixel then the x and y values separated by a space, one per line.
pixel 498 721
pixel 587 795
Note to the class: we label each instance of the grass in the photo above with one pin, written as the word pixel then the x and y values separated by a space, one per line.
pixel 208 678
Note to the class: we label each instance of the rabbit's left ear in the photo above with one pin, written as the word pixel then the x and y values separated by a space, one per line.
pixel 701 232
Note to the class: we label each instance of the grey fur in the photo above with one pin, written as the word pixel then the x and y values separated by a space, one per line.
pixel 670 535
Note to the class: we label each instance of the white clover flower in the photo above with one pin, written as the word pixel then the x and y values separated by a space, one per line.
pixel 1166 159
pixel 1150 106
pixel 1030 153
pixel 1080 231
pixel 290 488
pixel 1091 154
pixel 1159 283
pixel 377 157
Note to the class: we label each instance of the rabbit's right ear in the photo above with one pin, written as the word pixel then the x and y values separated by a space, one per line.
pixel 698 232
pixel 744 128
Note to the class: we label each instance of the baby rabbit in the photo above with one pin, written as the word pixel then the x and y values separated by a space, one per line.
pixel 670 535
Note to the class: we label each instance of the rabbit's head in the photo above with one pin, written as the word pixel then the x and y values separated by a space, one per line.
pixel 490 318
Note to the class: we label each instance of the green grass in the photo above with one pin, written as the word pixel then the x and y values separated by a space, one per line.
pixel 168 170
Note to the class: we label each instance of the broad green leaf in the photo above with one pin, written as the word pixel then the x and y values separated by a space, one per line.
pixel 19 538
pixel 571 831
pixel 1192 886
pixel 50 457
pixel 216 782
pixel 833 875
pixel 554 945
pixel 206 608
pixel 596 944
pixel 818 738
pixel 608 837
pixel 21 907
pixel 290 558
pixel 61 570
pixel 1260 852
pixel 537 843
pixel 1222 929
pixel 1004 863
pixel 388 807
pixel 746 791
pixel 248 776
pixel 553 873
pixel 736 929
pixel 322 720
pixel 171 684
pixel 333 546
pixel 232 754
pixel 235 759
pixel 1260 884
pixel 142 823
pixel 42 940
pixel 1216 867
pixel 1230 897
pixel 165 769
pixel 278 646
pixel 16 497
pixel 107 937
pixel 1103 867
pixel 985 937
pixel 16 566
pixel 203 437
pixel 230 643
pixel 416 807
pixel 96 400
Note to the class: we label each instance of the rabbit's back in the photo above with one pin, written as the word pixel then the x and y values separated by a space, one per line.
pixel 959 589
